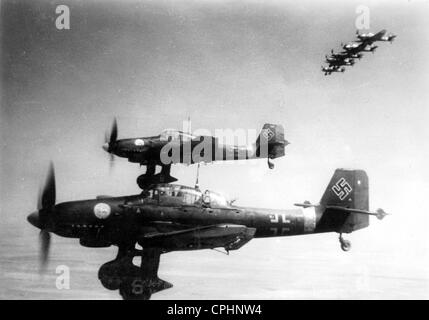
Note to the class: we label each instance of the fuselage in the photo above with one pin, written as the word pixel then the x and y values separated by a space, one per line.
pixel 171 208
pixel 173 146
pixel 188 152
pixel 147 150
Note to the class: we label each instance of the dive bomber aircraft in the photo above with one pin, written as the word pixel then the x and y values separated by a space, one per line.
pixel 169 217
pixel 369 38
pixel 147 151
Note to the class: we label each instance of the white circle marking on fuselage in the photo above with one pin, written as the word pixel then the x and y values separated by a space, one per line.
pixel 139 142
pixel 102 210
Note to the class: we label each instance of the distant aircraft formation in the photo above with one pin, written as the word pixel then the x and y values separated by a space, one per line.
pixel 351 51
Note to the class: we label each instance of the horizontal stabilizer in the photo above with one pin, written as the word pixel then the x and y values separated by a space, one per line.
pixel 380 213
pixel 306 204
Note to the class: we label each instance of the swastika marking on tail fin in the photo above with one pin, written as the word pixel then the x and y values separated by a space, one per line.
pixel 268 134
pixel 342 188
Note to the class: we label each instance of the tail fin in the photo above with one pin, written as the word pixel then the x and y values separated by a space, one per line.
pixel 381 33
pixel 271 142
pixel 347 189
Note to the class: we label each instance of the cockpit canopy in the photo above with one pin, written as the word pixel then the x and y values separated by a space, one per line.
pixel 214 199
pixel 170 194
pixel 175 135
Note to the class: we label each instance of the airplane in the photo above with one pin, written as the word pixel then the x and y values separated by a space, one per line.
pixel 354 48
pixel 369 38
pixel 148 151
pixel 334 59
pixel 170 217
pixel 345 54
pixel 340 62
pixel 330 69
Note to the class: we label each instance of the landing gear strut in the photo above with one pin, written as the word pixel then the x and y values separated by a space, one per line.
pixel 150 178
pixel 133 282
pixel 346 245
pixel 270 164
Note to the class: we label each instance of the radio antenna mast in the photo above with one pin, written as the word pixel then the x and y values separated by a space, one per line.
pixel 197 186
pixel 189 125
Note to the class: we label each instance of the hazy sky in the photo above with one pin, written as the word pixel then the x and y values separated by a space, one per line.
pixel 227 65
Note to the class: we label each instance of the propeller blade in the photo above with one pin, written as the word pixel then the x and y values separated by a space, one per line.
pixel 39 199
pixel 45 243
pixel 111 161
pixel 114 132
pixel 47 198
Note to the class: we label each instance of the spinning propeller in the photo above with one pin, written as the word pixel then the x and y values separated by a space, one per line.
pixel 43 217
pixel 109 142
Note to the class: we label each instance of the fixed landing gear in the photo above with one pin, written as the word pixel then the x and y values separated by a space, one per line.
pixel 144 181
pixel 346 245
pixel 133 282
pixel 270 164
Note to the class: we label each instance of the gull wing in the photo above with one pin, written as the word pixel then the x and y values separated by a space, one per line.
pixel 228 236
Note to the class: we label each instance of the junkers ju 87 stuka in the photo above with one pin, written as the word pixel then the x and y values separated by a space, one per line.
pixel 191 149
pixel 169 217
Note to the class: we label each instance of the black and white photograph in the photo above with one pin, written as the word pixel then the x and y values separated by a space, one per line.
pixel 214 150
